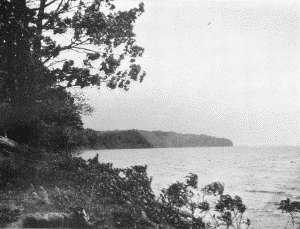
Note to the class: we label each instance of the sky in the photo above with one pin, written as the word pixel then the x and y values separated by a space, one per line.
pixel 225 69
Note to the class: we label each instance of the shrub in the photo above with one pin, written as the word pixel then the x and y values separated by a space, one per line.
pixel 8 214
pixel 183 205
pixel 17 164
pixel 293 209
pixel 125 196
pixel 17 175
pixel 94 186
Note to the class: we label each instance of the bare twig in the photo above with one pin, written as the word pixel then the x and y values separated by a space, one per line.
pixel 56 62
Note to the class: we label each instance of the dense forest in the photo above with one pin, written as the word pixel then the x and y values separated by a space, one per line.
pixel 126 139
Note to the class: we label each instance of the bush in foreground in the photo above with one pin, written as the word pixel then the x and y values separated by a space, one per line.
pixel 98 186
pixel 184 205
pixel 123 198
pixel 293 209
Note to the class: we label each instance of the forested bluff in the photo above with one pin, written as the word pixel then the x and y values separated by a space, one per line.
pixel 131 139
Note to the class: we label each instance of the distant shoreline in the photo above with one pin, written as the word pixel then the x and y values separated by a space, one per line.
pixel 141 139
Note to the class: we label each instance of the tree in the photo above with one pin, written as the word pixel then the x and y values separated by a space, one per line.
pixel 31 54
pixel 60 125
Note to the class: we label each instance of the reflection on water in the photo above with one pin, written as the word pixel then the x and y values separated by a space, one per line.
pixel 262 176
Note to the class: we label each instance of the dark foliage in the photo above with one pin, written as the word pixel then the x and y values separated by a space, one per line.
pixel 180 196
pixel 8 214
pixel 123 219
pixel 35 105
pixel 289 206
pixel 17 164
pixel 293 209
pixel 93 185
pixel 102 184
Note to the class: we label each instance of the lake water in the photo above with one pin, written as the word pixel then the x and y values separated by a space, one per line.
pixel 262 176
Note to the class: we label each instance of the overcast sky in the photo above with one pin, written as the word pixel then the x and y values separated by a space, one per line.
pixel 226 69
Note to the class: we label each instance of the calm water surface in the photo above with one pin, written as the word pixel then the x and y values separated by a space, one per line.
pixel 262 176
